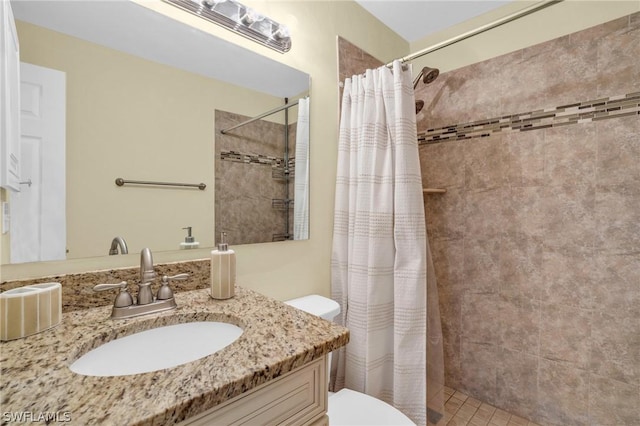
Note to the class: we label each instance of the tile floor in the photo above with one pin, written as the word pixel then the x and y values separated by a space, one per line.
pixel 463 410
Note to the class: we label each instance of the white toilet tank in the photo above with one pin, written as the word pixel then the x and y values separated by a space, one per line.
pixel 316 305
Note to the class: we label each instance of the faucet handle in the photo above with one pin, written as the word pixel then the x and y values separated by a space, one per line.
pixel 165 292
pixel 102 287
pixel 179 277
pixel 123 298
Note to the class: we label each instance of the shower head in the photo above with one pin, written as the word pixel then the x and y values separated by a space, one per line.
pixel 428 75
pixel 419 106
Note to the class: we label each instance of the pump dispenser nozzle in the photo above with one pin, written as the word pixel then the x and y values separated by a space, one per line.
pixel 222 245
pixel 189 241
pixel 188 238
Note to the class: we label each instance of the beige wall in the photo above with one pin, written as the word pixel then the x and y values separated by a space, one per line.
pixel 287 269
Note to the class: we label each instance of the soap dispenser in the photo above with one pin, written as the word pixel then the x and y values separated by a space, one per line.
pixel 223 270
pixel 189 241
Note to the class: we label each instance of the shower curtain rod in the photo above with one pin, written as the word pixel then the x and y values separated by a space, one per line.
pixel 251 120
pixel 512 17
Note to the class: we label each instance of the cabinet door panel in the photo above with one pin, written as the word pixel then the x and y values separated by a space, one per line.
pixel 297 398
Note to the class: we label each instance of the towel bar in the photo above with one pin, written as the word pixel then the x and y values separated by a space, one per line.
pixel 200 186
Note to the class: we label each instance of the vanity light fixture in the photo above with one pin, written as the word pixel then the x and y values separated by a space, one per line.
pixel 240 19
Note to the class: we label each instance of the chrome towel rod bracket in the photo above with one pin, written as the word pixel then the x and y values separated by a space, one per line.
pixel 121 182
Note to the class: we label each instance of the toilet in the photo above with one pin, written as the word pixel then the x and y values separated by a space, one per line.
pixel 348 407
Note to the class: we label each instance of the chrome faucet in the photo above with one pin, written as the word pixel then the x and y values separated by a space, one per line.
pixel 147 275
pixel 124 307
pixel 118 242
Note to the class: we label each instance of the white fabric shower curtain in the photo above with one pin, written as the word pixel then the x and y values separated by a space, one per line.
pixel 379 243
pixel 301 186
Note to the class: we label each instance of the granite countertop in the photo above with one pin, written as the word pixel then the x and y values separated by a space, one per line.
pixel 277 338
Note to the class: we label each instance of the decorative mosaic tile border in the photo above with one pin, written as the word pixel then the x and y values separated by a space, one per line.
pixel 240 157
pixel 582 112
pixel 276 163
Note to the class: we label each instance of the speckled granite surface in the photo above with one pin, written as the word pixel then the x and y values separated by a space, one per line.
pixel 277 339
pixel 77 289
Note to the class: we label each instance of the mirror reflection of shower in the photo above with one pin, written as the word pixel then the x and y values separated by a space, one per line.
pixel 262 181
pixel 427 75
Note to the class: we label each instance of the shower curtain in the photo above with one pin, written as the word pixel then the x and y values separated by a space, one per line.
pixel 379 243
pixel 301 185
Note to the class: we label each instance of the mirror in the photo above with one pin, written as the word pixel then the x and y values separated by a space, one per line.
pixel 146 96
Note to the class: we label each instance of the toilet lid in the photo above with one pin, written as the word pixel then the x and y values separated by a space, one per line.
pixel 351 408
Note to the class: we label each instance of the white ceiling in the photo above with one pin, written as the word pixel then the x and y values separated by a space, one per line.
pixel 416 19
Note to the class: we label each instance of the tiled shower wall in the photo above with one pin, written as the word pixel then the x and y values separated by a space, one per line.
pixel 245 162
pixel 537 240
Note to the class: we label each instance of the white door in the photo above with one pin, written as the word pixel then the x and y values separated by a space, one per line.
pixel 9 100
pixel 38 225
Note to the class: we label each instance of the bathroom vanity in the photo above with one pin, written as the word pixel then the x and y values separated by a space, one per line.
pixel 275 372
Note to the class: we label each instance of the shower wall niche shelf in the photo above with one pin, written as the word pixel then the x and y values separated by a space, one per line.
pixel 282 203
pixel 433 191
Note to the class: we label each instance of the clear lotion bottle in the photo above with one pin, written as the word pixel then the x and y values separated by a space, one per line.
pixel 223 270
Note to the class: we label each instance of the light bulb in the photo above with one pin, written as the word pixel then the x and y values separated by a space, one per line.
pixel 250 16
pixel 211 3
pixel 281 32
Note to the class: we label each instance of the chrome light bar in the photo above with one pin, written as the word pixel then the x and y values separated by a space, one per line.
pixel 240 19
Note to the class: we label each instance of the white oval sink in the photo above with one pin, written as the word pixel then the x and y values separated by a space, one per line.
pixel 156 349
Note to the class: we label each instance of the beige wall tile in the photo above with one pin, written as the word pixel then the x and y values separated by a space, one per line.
pixel 481 318
pixel 517 382
pixel 445 215
pixel 618 292
pixel 562 394
pixel 478 369
pixel 485 161
pixel 525 66
pixel 568 278
pixel 570 155
pixel 524 212
pixel 615 351
pixel 565 335
pixel 482 264
pixel 618 156
pixel 525 159
pixel 617 214
pixel 569 218
pixel 521 266
pixel 520 325
pixel 571 74
pixel 616 74
pixel 353 60
pixel 449 263
pixel 442 164
pixel 484 213
pixel 613 403
pixel 452 361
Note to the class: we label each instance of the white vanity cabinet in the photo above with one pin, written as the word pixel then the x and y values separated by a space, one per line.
pixel 9 100
pixel 296 398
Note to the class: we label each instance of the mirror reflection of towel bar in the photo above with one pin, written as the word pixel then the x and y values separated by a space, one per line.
pixel 200 186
